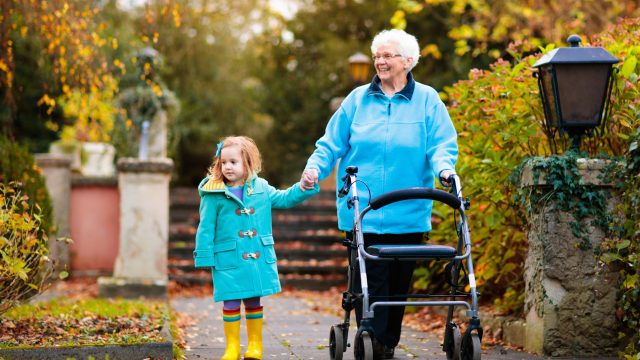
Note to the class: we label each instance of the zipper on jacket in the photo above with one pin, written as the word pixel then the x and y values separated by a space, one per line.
pixel 389 109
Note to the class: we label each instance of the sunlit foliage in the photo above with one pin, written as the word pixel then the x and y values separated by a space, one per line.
pixel 486 27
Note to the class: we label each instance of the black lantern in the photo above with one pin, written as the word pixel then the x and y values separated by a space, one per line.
pixel 359 65
pixel 575 87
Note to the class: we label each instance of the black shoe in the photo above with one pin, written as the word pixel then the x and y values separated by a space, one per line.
pixel 388 352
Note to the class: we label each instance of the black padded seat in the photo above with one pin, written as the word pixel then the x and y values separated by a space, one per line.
pixel 424 251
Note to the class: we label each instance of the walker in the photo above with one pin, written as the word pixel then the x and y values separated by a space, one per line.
pixel 455 345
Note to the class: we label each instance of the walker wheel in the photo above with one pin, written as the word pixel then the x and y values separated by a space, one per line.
pixel 363 349
pixel 453 341
pixel 471 347
pixel 336 343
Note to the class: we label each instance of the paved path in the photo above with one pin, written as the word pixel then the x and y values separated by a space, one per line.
pixel 293 330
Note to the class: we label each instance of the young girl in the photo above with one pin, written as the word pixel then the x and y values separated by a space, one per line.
pixel 234 238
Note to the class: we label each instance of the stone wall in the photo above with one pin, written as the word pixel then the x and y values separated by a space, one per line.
pixel 570 297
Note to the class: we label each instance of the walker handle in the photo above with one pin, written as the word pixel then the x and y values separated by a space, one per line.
pixel 415 193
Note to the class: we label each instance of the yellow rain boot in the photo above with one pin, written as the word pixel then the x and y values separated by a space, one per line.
pixel 232 333
pixel 254 333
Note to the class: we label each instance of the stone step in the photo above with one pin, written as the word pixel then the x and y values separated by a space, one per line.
pixel 184 196
pixel 280 237
pixel 321 283
pixel 310 268
pixel 184 215
pixel 297 250
pixel 189 196
pixel 331 234
pixel 185 266
pixel 318 283
pixel 191 216
pixel 191 279
pixel 307 210
pixel 292 224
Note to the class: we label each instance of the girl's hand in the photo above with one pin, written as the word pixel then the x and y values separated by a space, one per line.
pixel 308 179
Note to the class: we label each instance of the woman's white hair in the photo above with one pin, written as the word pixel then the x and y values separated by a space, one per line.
pixel 405 44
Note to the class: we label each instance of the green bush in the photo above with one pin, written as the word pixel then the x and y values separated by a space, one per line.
pixel 25 222
pixel 624 249
pixel 17 164
pixel 499 119
pixel 23 247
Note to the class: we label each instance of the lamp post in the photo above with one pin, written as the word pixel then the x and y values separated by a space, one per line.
pixel 359 65
pixel 575 87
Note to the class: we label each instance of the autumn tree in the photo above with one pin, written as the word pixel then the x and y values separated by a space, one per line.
pixel 206 64
pixel 301 64
pixel 49 48
pixel 63 53
pixel 487 27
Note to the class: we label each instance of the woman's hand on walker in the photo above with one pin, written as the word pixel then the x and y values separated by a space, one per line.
pixel 444 177
pixel 308 179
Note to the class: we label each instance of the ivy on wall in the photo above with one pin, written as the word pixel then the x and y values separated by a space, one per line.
pixel 567 192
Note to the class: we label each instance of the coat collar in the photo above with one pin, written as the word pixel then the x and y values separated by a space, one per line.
pixel 407 91
pixel 212 185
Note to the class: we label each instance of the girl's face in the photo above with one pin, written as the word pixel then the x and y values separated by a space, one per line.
pixel 232 165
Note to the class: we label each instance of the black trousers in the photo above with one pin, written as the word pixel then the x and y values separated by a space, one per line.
pixel 386 278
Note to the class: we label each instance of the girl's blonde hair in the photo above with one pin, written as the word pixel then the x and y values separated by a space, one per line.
pixel 251 159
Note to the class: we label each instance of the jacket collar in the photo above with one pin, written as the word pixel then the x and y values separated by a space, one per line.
pixel 211 185
pixel 407 91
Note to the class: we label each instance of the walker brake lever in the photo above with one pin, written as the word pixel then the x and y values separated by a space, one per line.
pixel 345 188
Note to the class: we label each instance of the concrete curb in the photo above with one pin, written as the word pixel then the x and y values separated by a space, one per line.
pixel 510 329
pixel 157 350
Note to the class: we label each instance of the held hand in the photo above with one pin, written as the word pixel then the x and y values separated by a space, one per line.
pixel 306 184
pixel 444 177
pixel 309 179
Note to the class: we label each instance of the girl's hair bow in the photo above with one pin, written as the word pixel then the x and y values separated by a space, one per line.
pixel 219 148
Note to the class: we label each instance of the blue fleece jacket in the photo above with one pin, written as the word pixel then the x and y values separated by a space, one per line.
pixel 397 142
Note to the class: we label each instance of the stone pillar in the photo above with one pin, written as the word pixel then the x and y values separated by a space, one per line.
pixel 141 265
pixel 57 173
pixel 570 298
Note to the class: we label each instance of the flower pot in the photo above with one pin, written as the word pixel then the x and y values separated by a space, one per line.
pixel 98 159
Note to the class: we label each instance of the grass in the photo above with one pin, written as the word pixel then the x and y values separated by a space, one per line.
pixel 80 308
pixel 70 322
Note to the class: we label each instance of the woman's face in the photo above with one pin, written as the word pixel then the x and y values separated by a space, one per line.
pixel 390 66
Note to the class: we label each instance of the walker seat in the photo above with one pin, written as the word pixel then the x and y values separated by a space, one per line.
pixel 425 251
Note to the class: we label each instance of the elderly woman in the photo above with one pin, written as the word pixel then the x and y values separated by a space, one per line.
pixel 399 134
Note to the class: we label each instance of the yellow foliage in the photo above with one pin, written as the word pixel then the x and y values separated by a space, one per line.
pixel 177 19
pixel 398 20
pixel 493 24
pixel 432 50
pixel 93 112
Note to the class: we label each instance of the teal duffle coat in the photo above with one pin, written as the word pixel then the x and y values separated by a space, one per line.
pixel 234 237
